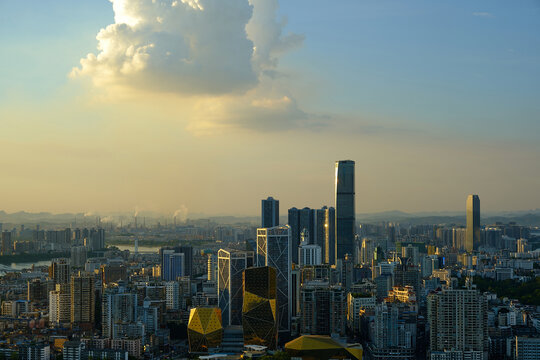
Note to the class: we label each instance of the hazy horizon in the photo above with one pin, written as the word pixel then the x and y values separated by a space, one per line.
pixel 159 106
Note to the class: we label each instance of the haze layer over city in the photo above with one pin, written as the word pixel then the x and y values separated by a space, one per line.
pixel 269 179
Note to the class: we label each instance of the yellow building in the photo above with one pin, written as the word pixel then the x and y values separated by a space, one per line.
pixel 317 347
pixel 205 329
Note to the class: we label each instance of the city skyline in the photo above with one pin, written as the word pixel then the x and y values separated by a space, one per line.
pixel 270 179
pixel 427 127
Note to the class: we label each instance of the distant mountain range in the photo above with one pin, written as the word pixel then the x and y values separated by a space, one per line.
pixel 525 217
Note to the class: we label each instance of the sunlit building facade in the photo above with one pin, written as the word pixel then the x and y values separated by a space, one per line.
pixel 205 330
pixel 259 311
pixel 473 223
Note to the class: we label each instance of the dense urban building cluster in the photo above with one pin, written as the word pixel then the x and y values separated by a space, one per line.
pixel 314 284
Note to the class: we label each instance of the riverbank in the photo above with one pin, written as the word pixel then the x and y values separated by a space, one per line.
pixel 29 258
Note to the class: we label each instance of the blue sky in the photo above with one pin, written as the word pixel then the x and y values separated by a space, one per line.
pixel 422 80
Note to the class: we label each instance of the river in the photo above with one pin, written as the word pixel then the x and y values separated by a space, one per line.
pixel 28 265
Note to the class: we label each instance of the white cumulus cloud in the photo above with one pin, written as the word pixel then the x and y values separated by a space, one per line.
pixel 194 47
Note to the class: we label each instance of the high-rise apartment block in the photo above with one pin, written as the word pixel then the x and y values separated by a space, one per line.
pixel 393 333
pixel 345 208
pixel 83 300
pixel 458 322
pixel 60 271
pixel 118 307
pixel 323 309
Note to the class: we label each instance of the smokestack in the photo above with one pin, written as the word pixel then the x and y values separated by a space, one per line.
pixel 135 222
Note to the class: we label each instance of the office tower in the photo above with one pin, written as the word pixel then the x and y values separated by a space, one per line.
pixel 259 311
pixel 60 304
pixel 298 221
pixel 274 249
pixel 330 236
pixel 323 308
pixel 78 256
pixel 83 300
pixel 231 265
pixel 345 208
pixel 294 223
pixel 269 212
pixel 458 321
pixel 60 271
pixel 188 258
pixel 473 223
pixel 205 330
pixel 320 224
pixel 118 307
pixel 6 243
pixel 212 267
pixel 172 264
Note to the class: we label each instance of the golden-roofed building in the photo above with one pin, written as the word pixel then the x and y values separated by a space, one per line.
pixel 318 347
pixel 205 329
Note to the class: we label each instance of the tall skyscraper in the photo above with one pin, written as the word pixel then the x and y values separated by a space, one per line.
pixel 274 249
pixel 345 208
pixel 320 224
pixel 458 322
pixel 269 212
pixel 259 312
pixel 231 265
pixel 473 223
pixel 60 304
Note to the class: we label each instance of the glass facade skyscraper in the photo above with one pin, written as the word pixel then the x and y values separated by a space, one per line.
pixel 259 312
pixel 345 208
pixel 274 250
pixel 472 239
pixel 269 212
pixel 231 265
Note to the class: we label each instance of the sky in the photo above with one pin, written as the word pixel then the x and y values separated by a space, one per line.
pixel 210 106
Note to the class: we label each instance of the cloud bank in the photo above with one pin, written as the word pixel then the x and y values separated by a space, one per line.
pixel 190 47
